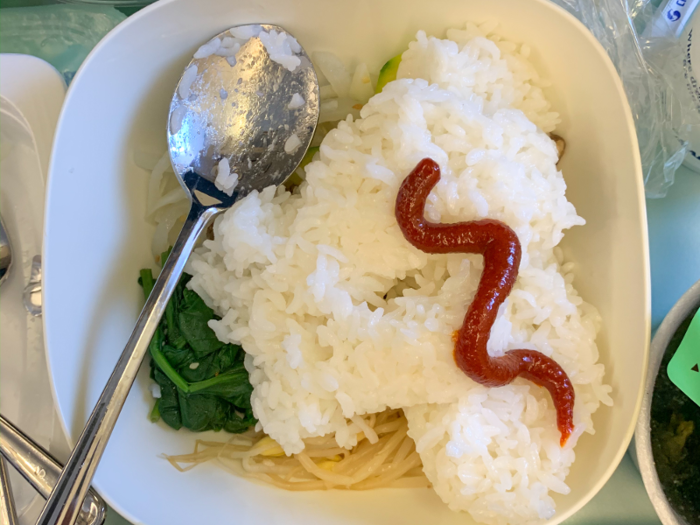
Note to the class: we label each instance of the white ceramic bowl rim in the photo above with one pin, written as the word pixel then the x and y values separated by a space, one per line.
pixel 622 438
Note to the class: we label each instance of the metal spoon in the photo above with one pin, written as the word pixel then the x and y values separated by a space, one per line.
pixel 42 471
pixel 8 513
pixel 30 459
pixel 250 125
pixel 5 253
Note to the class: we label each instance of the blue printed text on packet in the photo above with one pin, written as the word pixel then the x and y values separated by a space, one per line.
pixel 671 19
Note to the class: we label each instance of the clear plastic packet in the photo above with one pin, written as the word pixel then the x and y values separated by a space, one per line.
pixel 642 38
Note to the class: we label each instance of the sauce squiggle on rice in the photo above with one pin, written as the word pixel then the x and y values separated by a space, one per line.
pixel 500 247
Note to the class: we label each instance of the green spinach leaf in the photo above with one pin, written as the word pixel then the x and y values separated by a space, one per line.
pixel 179 358
pixel 203 412
pixel 169 401
pixel 193 318
pixel 227 358
pixel 240 422
pixel 230 385
pixel 203 383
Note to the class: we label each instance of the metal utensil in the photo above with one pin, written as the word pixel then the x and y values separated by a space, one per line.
pixel 8 514
pixel 5 253
pixel 236 109
pixel 32 292
pixel 32 461
pixel 42 471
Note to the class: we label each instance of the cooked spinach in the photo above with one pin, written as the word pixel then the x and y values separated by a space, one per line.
pixel 203 383
pixel 193 316
pixel 675 438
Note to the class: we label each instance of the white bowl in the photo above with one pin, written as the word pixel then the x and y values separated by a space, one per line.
pixel 97 238
pixel 643 455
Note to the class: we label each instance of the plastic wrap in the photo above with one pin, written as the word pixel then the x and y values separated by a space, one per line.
pixel 642 38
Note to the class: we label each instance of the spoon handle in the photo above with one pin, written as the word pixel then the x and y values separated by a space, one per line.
pixel 8 513
pixel 63 506
pixel 42 471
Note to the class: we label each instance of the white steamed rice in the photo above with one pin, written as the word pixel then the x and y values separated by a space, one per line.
pixel 339 315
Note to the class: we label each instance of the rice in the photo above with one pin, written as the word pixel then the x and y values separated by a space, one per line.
pixel 226 180
pixel 292 144
pixel 296 102
pixel 340 316
pixel 282 48
pixel 188 78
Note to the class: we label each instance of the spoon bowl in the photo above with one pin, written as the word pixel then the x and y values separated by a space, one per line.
pixel 237 101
